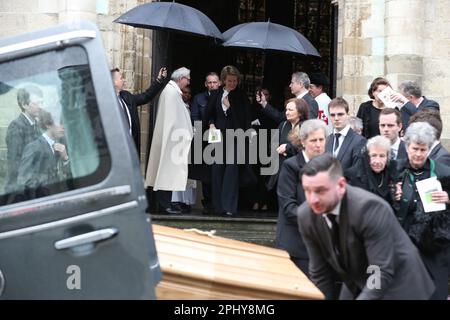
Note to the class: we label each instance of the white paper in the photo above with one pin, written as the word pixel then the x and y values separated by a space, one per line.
pixel 256 122
pixel 425 188
pixel 385 96
pixel 214 136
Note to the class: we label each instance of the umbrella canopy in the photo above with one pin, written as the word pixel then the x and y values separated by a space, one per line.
pixel 268 36
pixel 171 16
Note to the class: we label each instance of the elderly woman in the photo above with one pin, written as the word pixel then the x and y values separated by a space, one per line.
pixel 228 108
pixel 374 171
pixel 311 138
pixel 296 112
pixel 419 138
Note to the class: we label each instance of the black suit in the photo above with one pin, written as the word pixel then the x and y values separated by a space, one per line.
pixel 132 101
pixel 401 152
pixel 280 116
pixel 369 236
pixel 440 154
pixel 290 196
pixel 227 178
pixel 409 109
pixel 350 150
pixel 39 168
pixel 19 134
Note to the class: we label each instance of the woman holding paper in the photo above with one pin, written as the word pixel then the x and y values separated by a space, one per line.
pixel 228 109
pixel 369 111
pixel 411 213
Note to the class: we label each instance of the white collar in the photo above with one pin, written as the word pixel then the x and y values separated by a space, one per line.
pixel 49 140
pixel 305 156
pixel 301 95
pixel 28 118
pixel 396 144
pixel 174 84
pixel 335 212
pixel 433 146
pixel 344 131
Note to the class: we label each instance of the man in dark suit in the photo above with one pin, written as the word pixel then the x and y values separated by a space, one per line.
pixel 22 131
pixel 390 124
pixel 437 150
pixel 343 143
pixel 200 100
pixel 300 89
pixel 411 95
pixel 129 102
pixel 353 236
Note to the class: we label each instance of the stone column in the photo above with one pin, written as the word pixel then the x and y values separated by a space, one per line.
pixel 360 48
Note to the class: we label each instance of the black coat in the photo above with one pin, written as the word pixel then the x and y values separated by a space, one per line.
pixel 350 150
pixel 280 116
pixel 133 101
pixel 409 109
pixel 440 154
pixel 290 197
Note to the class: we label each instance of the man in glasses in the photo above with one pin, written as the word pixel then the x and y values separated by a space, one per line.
pixel 343 143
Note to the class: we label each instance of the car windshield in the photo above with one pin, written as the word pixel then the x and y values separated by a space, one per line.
pixel 51 136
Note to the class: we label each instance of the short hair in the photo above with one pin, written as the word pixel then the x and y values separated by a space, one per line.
pixel 420 133
pixel 338 102
pixel 301 77
pixel 113 71
pixel 381 142
pixel 305 129
pixel 410 88
pixel 180 73
pixel 430 115
pixel 24 95
pixel 374 85
pixel 387 111
pixel 214 74
pixel 355 123
pixel 229 71
pixel 45 119
pixel 301 106
pixel 323 163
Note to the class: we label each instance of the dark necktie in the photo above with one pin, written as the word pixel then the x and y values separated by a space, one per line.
pixel 336 141
pixel 334 233
pixel 393 154
pixel 124 109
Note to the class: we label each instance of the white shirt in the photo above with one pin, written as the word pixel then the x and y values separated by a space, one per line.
pixel 395 146
pixel 305 156
pixel 49 140
pixel 343 133
pixel 301 95
pixel 323 100
pixel 224 107
pixel 31 121
pixel 335 211
pixel 125 107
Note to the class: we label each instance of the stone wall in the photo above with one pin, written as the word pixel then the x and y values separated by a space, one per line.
pixel 398 39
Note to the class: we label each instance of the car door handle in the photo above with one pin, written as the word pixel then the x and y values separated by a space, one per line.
pixel 86 238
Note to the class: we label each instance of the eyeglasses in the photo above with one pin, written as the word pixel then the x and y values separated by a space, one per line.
pixel 187 78
pixel 340 114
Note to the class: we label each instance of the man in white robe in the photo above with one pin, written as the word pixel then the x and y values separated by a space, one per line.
pixel 168 161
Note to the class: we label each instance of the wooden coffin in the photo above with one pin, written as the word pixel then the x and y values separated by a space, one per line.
pixel 199 266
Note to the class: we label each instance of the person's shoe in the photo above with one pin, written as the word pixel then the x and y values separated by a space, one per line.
pixel 255 206
pixel 264 208
pixel 185 208
pixel 228 214
pixel 173 210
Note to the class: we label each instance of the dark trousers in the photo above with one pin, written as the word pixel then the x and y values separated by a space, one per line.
pixel 164 198
pixel 225 187
pixel 206 190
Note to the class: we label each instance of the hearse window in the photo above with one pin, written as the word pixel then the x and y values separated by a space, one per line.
pixel 51 136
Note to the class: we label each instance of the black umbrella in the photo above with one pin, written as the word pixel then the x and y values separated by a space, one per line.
pixel 170 16
pixel 268 36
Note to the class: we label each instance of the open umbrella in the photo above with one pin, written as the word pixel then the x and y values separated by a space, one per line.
pixel 171 16
pixel 268 36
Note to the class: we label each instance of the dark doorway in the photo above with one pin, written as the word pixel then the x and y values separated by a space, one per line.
pixel 315 19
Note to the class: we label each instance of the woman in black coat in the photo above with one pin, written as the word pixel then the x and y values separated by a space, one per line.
pixel 296 112
pixel 374 171
pixel 433 246
pixel 311 138
pixel 228 108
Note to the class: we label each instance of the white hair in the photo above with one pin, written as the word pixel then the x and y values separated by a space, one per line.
pixel 180 73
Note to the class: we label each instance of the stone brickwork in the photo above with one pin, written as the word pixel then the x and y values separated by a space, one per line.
pixel 398 39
